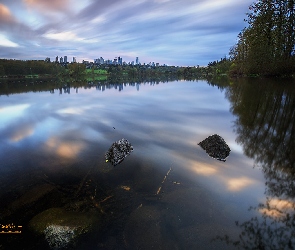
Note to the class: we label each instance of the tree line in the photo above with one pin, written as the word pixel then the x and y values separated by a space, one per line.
pixel 29 67
pixel 266 46
pixel 20 68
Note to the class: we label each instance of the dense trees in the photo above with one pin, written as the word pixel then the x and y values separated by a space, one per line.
pixel 266 46
pixel 30 67
pixel 76 69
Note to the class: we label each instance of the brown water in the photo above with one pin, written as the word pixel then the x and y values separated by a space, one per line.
pixel 168 193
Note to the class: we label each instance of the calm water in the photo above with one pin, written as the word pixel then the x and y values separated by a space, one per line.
pixel 168 193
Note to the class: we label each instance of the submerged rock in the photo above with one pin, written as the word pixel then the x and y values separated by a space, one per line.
pixel 62 228
pixel 118 151
pixel 59 237
pixel 216 147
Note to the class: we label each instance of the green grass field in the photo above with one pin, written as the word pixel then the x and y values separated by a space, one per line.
pixel 96 71
pixel 31 76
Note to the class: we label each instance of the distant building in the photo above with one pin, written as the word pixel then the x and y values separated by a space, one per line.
pixel 56 59
pixel 120 60
pixel 61 60
pixel 65 59
pixel 136 61
pixel 74 59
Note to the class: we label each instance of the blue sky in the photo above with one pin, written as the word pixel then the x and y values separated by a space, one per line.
pixel 173 32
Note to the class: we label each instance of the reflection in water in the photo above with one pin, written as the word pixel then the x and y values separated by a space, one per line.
pixel 59 165
pixel 63 86
pixel 265 125
pixel 22 133
pixel 237 184
pixel 63 148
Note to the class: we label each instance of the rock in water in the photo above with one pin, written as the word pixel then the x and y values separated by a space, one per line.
pixel 59 237
pixel 64 229
pixel 118 151
pixel 215 147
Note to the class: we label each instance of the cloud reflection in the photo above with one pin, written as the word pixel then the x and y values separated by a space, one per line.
pixel 10 113
pixel 237 184
pixel 203 168
pixel 278 208
pixel 67 149
pixel 22 133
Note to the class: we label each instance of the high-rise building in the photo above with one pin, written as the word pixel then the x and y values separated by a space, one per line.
pixel 56 59
pixel 120 59
pixel 61 60
pixel 74 59
pixel 137 60
pixel 65 59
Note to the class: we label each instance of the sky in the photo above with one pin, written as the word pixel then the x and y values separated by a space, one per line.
pixel 172 32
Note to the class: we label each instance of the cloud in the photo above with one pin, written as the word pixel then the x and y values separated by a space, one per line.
pixel 198 32
pixel 5 42
pixel 63 36
pixel 96 8
pixel 4 13
pixel 45 5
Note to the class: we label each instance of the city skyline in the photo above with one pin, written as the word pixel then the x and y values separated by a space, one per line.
pixel 172 32
pixel 117 61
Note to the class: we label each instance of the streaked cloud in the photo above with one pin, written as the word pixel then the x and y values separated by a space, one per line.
pixel 45 5
pixel 63 36
pixel 5 14
pixel 165 31
pixel 5 42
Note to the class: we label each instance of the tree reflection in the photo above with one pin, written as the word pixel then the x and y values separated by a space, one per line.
pixel 63 85
pixel 265 127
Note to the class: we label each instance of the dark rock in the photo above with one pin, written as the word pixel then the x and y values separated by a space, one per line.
pixel 216 147
pixel 118 151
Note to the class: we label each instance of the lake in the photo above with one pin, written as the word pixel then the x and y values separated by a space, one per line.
pixel 58 191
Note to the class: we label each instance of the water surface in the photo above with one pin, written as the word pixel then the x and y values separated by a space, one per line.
pixel 168 193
